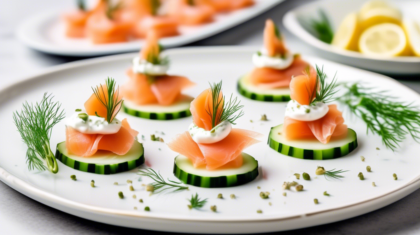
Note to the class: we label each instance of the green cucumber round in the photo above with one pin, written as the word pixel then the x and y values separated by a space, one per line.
pixel 246 89
pixel 311 149
pixel 187 173
pixel 103 162
pixel 178 110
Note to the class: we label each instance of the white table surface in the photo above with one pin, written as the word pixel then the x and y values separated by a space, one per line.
pixel 21 215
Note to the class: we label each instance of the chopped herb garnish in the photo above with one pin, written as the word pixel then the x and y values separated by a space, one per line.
pixel 363 158
pixel 129 181
pixel 115 183
pixel 395 176
pixel 326 194
pixel 316 201
pixel 284 194
pixel 222 110
pixel 232 196
pixel 297 175
pixel 213 208
pixel 320 170
pixel 141 200
pixel 92 183
pixel 373 184
pixel 121 195
pixel 361 176
pixel 78 110
pixel 334 174
pixel 264 195
pixel 134 196
pixel 220 196
pixel 259 211
pixel 368 169
pixel 83 116
pixel 160 184
pixel 110 99
pixel 299 188
pixel 73 177
pixel 131 188
pixel 35 123
pixel 306 176
pixel 196 202
pixel 264 117
pixel 147 208
pixel 323 91
pixel 322 27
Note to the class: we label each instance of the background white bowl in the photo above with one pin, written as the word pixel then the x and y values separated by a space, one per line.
pixel 297 20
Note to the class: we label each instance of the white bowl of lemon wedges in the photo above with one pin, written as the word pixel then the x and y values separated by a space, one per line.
pixel 378 35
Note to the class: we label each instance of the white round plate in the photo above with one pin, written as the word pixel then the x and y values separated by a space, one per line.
pixel 45 32
pixel 71 85
pixel 297 20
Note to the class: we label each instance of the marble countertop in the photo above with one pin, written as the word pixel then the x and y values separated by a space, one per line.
pixel 22 215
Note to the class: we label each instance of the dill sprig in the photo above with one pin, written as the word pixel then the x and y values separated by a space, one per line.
pixel 322 27
pixel 35 123
pixel 323 92
pixel 111 9
pixel 155 6
pixel 196 202
pixel 110 99
pixel 160 184
pixel 383 115
pixel 156 59
pixel 221 110
pixel 81 4
pixel 334 174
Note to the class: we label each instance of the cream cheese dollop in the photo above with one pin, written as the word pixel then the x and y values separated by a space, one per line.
pixel 311 112
pixel 202 136
pixel 262 59
pixel 145 67
pixel 93 124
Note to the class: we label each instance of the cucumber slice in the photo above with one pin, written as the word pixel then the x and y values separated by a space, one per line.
pixel 178 110
pixel 255 93
pixel 185 171
pixel 311 149
pixel 103 162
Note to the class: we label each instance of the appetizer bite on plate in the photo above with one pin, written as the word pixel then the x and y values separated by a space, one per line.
pixel 211 150
pixel 275 67
pixel 150 92
pixel 98 142
pixel 190 12
pixel 312 128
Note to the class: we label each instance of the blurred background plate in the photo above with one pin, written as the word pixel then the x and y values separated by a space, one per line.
pixel 45 32
pixel 296 21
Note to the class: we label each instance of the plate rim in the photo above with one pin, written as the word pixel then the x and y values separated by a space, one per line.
pixel 69 206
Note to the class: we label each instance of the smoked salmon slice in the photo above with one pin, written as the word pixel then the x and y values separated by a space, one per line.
pixel 331 125
pixel 101 29
pixel 273 42
pixel 162 26
pixel 302 87
pixel 76 23
pixel 86 145
pixel 187 14
pixel 94 106
pixel 271 78
pixel 201 111
pixel 146 89
pixel 218 154
pixel 224 5
pixel 224 153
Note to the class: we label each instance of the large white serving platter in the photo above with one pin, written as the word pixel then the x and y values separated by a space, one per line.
pixel 71 85
pixel 45 32
pixel 296 21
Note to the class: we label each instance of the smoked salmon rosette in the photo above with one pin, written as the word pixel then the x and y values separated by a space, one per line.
pixel 312 128
pixel 274 68
pixel 150 92
pixel 98 142
pixel 211 150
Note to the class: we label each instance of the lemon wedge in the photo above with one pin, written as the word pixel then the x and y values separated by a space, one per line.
pixel 412 30
pixel 346 37
pixel 385 40
pixel 378 12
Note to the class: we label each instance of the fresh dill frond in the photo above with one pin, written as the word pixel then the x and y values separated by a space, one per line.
pixel 111 9
pixel 221 110
pixel 323 92
pixel 81 4
pixel 196 202
pixel 110 99
pixel 156 59
pixel 383 115
pixel 322 27
pixel 155 6
pixel 160 184
pixel 35 123
pixel 334 174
